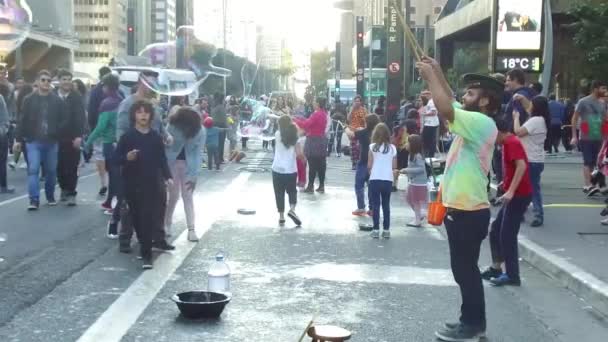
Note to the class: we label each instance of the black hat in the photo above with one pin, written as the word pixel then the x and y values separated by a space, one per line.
pixel 483 81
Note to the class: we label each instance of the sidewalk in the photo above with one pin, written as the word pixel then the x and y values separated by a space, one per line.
pixel 572 246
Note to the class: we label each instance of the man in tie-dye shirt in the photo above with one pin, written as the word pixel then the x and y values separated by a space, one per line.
pixel 464 187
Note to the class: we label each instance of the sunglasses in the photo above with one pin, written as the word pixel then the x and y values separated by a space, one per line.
pixel 45 80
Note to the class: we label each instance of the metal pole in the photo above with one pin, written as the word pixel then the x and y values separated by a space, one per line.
pixel 371 64
pixel 224 36
pixel 545 77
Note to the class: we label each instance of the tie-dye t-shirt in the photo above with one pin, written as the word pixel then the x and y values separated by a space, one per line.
pixel 465 180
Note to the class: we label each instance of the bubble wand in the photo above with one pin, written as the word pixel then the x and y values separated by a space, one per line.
pixel 409 36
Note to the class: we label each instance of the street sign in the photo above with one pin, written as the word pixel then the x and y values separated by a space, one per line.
pixel 394 67
pixel 360 78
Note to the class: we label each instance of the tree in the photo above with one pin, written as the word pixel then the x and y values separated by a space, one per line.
pixel 322 68
pixel 590 34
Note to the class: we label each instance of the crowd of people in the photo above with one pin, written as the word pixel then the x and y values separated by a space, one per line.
pixel 148 155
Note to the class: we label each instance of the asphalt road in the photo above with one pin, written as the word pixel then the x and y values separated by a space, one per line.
pixel 63 280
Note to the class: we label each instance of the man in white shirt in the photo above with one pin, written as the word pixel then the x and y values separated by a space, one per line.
pixel 430 125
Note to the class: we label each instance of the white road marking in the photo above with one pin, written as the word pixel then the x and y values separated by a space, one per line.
pixel 116 321
pixel 19 198
pixel 402 275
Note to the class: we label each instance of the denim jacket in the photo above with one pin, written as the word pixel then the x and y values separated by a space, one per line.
pixel 193 148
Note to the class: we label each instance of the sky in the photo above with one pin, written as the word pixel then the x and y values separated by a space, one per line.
pixel 305 24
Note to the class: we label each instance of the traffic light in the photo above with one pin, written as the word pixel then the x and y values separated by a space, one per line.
pixel 360 52
pixel 131 32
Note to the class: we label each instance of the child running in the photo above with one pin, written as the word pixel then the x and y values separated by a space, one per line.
pixel 417 191
pixel 381 162
pixel 141 152
pixel 284 168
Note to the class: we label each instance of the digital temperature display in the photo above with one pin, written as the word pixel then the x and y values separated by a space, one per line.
pixel 526 63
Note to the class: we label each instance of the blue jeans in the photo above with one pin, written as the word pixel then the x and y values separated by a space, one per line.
pixel 380 195
pixel 46 154
pixel 361 177
pixel 536 169
pixel 503 236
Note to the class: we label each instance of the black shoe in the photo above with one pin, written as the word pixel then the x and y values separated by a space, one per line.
pixel 146 262
pixel 103 191
pixel 125 248
pixel 71 201
pixel 292 215
pixel 34 205
pixel 112 228
pixel 604 212
pixel 394 189
pixel 162 246
pixel 594 191
pixel 460 333
pixel 538 222
pixel 281 222
pixel 309 190
pixel 321 190
pixel 490 273
pixel 7 190
pixel 63 197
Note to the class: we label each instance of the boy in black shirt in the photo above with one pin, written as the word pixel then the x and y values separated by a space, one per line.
pixel 141 153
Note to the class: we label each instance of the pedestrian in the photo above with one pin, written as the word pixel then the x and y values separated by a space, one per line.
pixel 557 111
pixel 382 160
pixel 356 119
pixel 233 126
pixel 517 196
pixel 4 139
pixel 212 143
pixel 284 169
pixel 417 189
pixel 184 157
pixel 315 148
pixel 463 187
pixel 70 139
pixel 430 124
pixel 145 172
pixel 23 93
pixel 40 127
pixel 592 115
pixel 220 120
pixel 336 131
pixel 123 124
pixel 96 96
pixel 301 162
pixel 105 130
pixel 363 137
pixel 533 135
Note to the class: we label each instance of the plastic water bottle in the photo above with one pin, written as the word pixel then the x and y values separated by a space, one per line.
pixel 219 275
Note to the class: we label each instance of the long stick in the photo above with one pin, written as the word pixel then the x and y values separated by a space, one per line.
pixel 411 39
pixel 312 321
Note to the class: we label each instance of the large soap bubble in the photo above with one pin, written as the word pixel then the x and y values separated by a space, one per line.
pixel 263 122
pixel 15 24
pixel 195 57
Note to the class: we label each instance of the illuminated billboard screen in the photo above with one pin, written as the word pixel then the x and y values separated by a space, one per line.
pixel 519 25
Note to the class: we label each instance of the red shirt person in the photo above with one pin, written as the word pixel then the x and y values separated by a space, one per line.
pixel 516 199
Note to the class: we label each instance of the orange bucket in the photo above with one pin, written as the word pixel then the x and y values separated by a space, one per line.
pixel 437 211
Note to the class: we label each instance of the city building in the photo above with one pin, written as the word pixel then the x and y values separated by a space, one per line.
pixel 229 19
pixel 50 43
pixel 466 22
pixel 184 12
pixel 270 46
pixel 163 21
pixel 101 26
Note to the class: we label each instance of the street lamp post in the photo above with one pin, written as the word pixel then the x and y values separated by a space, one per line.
pixel 371 64
pixel 224 5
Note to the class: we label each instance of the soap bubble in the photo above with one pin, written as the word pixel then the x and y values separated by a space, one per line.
pixel 194 56
pixel 15 24
pixel 263 122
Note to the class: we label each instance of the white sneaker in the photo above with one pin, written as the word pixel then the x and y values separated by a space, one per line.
pixel 192 235
pixel 605 222
pixel 112 236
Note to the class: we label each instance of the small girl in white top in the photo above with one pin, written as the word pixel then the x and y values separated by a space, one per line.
pixel 284 168
pixel 381 162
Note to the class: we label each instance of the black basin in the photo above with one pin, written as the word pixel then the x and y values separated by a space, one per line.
pixel 201 304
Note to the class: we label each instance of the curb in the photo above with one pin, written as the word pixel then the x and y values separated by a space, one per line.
pixel 585 285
